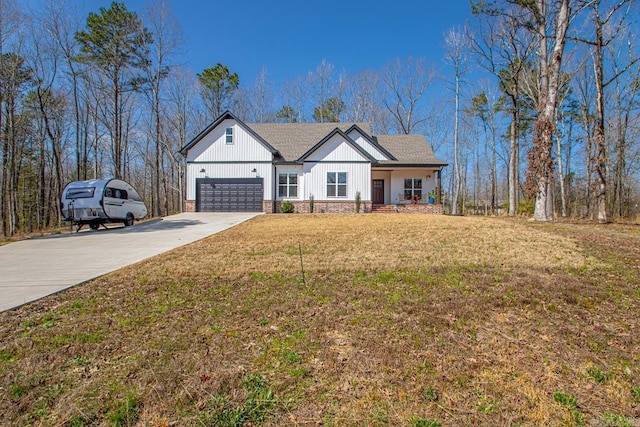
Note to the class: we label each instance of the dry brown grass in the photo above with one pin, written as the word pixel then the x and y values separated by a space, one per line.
pixel 465 321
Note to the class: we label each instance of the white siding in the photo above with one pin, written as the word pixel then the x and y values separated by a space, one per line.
pixel 398 177
pixel 336 149
pixel 367 146
pixel 301 182
pixel 358 179
pixel 229 170
pixel 213 146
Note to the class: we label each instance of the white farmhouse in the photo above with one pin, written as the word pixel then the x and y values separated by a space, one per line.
pixel 237 167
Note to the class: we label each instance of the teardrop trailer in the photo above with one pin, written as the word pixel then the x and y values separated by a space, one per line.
pixel 101 201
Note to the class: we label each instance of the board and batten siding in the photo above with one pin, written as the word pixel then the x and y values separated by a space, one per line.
pixel 230 170
pixel 234 160
pixel 367 146
pixel 358 179
pixel 214 148
pixel 289 169
pixel 336 149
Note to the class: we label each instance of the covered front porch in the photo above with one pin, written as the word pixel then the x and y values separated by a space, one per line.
pixel 409 189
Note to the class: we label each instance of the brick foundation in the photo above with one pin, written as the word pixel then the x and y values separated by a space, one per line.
pixel 269 206
pixel 327 206
pixel 435 209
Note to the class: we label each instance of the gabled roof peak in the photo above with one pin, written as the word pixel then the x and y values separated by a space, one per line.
pixel 225 116
pixel 349 141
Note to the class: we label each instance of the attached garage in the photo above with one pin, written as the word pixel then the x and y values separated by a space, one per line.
pixel 229 194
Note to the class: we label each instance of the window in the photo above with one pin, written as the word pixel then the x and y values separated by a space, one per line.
pixel 229 135
pixel 336 184
pixel 116 193
pixel 80 193
pixel 288 185
pixel 412 187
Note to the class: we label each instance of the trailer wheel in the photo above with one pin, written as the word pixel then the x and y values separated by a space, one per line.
pixel 94 225
pixel 129 220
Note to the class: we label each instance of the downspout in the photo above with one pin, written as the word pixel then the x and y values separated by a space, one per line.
pixel 274 186
pixel 439 186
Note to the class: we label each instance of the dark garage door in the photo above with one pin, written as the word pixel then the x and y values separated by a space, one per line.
pixel 229 194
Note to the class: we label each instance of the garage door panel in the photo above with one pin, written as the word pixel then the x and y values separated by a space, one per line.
pixel 229 194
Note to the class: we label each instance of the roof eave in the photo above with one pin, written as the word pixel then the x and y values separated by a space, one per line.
pixel 410 165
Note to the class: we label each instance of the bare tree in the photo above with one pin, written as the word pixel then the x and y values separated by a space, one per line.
pixel 361 96
pixel 606 27
pixel 550 22
pixel 14 74
pixel 484 106
pixel 404 83
pixel 167 41
pixel 457 55
pixel 626 93
pixel 51 107
pixel 503 47
pixel 294 94
pixel 262 95
pixel 184 116
pixel 322 84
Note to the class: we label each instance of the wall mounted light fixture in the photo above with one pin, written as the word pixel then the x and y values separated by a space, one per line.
pixel 202 170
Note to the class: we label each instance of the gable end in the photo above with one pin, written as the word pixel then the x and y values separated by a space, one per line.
pixel 227 115
pixel 348 140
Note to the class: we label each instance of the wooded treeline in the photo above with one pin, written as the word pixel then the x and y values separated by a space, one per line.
pixel 535 106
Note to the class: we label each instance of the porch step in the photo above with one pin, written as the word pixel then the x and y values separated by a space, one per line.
pixel 382 209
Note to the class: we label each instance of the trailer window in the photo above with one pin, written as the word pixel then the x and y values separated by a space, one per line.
pixel 80 193
pixel 116 193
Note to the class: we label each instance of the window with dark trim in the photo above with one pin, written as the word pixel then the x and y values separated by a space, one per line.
pixel 336 184
pixel 229 135
pixel 80 193
pixel 116 193
pixel 288 185
pixel 412 187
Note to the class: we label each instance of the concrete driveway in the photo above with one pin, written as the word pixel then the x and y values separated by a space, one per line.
pixel 32 269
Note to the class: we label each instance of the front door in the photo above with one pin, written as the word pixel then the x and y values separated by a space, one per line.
pixel 377 195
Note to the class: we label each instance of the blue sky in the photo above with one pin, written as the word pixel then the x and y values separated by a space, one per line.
pixel 290 38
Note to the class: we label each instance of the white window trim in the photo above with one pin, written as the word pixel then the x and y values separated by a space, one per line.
pixel 337 185
pixel 288 186
pixel 413 187
pixel 227 135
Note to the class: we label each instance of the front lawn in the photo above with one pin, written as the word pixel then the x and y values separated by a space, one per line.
pixel 405 320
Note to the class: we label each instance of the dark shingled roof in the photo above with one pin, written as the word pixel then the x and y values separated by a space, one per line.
pixel 409 149
pixel 292 140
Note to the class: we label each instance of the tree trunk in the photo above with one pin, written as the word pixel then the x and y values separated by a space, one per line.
pixel 514 159
pixel 456 162
pixel 541 161
pixel 494 173
pixel 563 196
pixel 600 163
